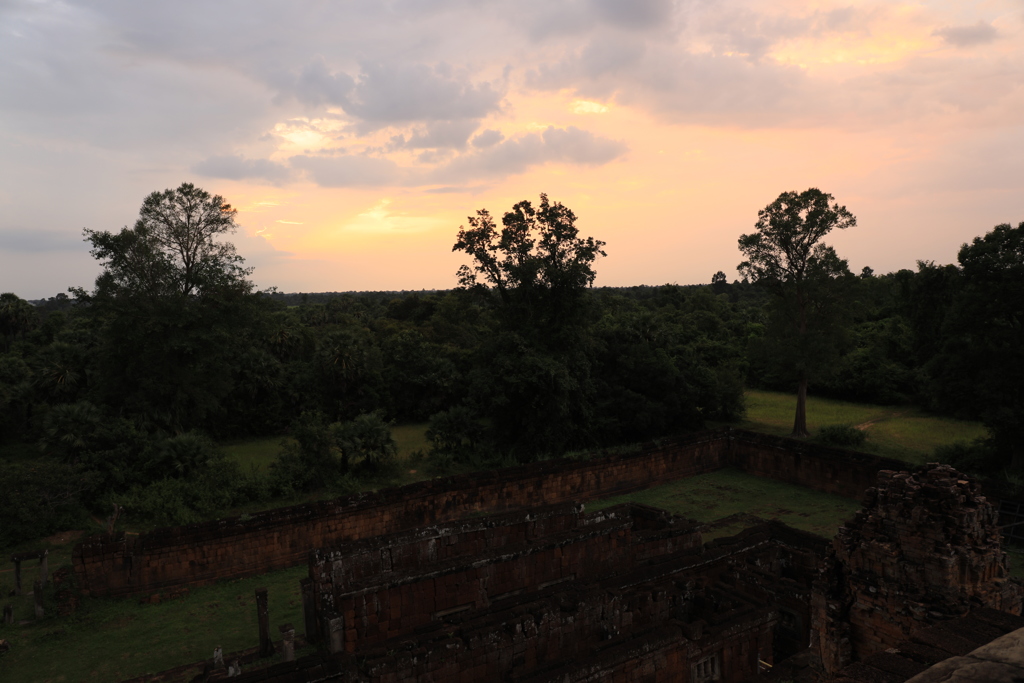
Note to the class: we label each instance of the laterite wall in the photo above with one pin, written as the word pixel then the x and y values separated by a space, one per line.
pixel 832 470
pixel 197 554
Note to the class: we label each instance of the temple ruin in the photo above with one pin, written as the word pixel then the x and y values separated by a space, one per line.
pixel 632 593
pixel 506 576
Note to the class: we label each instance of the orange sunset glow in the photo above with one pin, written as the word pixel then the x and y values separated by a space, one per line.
pixel 354 141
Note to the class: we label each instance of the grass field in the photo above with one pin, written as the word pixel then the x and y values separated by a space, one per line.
pixel 712 496
pixel 112 640
pixel 902 432
pixel 260 453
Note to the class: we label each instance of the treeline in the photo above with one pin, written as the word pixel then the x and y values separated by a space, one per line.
pixel 115 396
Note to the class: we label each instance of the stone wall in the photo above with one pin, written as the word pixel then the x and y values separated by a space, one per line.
pixel 627 594
pixel 832 470
pixel 925 548
pixel 198 554
pixel 393 585
pixel 964 649
pixel 557 638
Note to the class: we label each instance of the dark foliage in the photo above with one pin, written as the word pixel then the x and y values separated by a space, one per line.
pixel 40 498
pixel 841 435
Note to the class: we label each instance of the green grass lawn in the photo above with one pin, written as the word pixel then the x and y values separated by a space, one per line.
pixel 714 495
pixel 410 438
pixel 258 453
pixel 902 432
pixel 1016 554
pixel 261 452
pixel 113 640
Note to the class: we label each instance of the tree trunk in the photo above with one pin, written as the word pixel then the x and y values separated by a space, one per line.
pixel 800 422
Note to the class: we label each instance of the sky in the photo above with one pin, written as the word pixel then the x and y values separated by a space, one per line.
pixel 354 138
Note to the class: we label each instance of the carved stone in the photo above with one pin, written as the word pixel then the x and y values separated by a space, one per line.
pixel 263 615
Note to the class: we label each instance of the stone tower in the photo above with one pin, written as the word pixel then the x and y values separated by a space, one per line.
pixel 924 548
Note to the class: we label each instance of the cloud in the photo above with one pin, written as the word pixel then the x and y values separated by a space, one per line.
pixel 440 135
pixel 234 167
pixel 635 14
pixel 317 85
pixel 349 170
pixel 680 86
pixel 488 137
pixel 21 240
pixel 566 145
pixel 981 33
pixel 400 93
pixel 580 146
pixel 602 59
pixel 500 159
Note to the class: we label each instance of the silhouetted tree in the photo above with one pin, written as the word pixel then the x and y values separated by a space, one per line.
pixel 172 305
pixel 980 366
pixel 787 257
pixel 537 264
pixel 17 317
pixel 533 375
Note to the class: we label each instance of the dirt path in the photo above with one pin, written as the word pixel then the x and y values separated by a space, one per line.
pixel 864 425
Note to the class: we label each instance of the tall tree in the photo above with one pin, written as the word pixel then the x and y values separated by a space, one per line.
pixel 786 256
pixel 172 304
pixel 980 367
pixel 538 264
pixel 173 247
pixel 534 381
pixel 17 317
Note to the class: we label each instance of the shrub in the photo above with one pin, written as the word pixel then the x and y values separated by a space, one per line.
pixel 454 435
pixel 70 428
pixel 841 435
pixel 170 502
pixel 367 442
pixel 40 498
pixel 976 457
pixel 323 454
pixel 309 461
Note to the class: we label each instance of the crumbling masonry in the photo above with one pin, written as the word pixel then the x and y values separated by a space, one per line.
pixel 925 548
pixel 422 584
pixel 632 594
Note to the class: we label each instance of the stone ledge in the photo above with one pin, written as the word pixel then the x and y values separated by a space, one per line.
pixel 1001 661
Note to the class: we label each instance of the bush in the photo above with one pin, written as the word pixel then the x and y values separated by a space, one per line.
pixel 366 442
pixel 309 461
pixel 324 455
pixel 70 428
pixel 41 498
pixel 454 435
pixel 183 455
pixel 841 435
pixel 976 457
pixel 171 502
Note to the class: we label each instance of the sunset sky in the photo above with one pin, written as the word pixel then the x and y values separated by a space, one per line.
pixel 355 137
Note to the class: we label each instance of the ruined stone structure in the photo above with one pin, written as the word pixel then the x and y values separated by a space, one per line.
pixel 166 560
pixel 631 593
pixel 389 586
pixel 936 653
pixel 925 548
pixel 556 594
pixel 420 583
